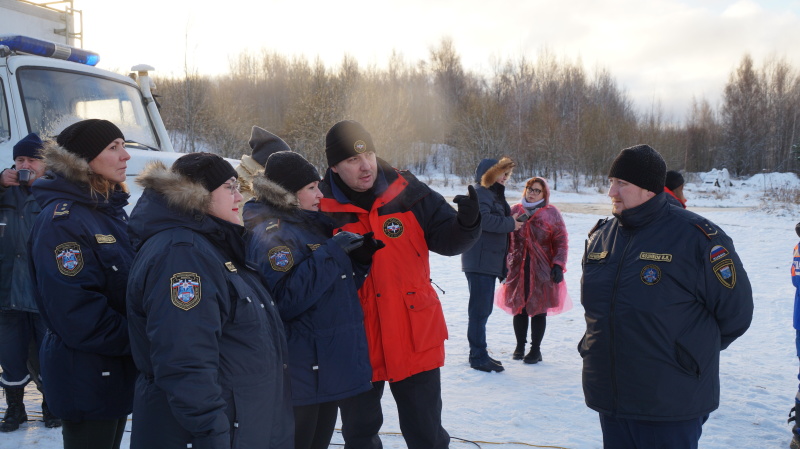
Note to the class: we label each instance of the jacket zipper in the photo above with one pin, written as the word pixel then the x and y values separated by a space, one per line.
pixel 611 329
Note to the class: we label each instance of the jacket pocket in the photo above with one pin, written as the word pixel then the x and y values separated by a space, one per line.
pixel 428 328
pixel 686 360
pixel 245 307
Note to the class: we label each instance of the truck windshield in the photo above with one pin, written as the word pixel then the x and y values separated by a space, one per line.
pixel 54 99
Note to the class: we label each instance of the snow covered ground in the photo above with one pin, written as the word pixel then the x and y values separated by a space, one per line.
pixel 542 405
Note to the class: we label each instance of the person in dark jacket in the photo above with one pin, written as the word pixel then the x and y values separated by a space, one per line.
pixel 402 314
pixel 485 261
pixel 21 328
pixel 795 270
pixel 205 333
pixel 80 256
pixel 673 188
pixel 315 282
pixel 663 292
pixel 262 144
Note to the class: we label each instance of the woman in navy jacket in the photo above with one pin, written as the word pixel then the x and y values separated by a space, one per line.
pixel 205 334
pixel 485 261
pixel 79 260
pixel 315 283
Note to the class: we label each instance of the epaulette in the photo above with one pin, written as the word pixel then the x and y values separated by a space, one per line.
pixel 705 227
pixel 598 225
pixel 183 236
pixel 273 224
pixel 61 212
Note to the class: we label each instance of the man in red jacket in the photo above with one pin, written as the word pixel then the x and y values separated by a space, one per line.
pixel 403 317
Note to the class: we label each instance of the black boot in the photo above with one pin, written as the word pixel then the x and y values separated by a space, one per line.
pixel 795 443
pixel 520 332
pixel 50 420
pixel 538 326
pixel 15 413
pixel 519 352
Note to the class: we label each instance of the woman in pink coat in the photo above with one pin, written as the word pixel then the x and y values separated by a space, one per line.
pixel 536 258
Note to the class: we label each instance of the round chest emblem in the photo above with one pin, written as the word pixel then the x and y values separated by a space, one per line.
pixel 651 274
pixel 360 146
pixel 393 228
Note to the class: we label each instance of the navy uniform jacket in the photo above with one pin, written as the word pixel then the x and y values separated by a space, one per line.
pixel 663 292
pixel 205 333
pixel 80 256
pixel 488 255
pixel 316 286
pixel 18 210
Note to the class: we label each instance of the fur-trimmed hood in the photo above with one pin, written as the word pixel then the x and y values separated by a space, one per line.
pixel 273 194
pixel 493 171
pixel 69 165
pixel 248 170
pixel 181 193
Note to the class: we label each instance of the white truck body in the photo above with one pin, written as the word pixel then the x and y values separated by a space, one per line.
pixel 44 94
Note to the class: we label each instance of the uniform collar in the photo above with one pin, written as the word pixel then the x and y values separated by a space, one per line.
pixel 644 213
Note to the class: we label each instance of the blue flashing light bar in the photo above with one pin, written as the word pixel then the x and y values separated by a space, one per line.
pixel 49 49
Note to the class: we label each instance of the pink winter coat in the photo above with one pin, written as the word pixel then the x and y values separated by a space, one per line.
pixel 540 243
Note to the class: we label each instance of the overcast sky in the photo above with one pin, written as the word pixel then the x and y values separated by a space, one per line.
pixel 663 51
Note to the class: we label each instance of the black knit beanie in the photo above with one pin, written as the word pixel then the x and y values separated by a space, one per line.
pixel 88 138
pixel 346 139
pixel 642 166
pixel 290 170
pixel 29 146
pixel 209 169
pixel 674 180
pixel 264 143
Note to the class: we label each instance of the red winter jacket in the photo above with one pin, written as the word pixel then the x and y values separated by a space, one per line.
pixel 402 314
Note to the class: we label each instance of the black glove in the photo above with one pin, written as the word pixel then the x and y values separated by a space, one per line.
pixel 348 240
pixel 468 208
pixel 557 273
pixel 363 254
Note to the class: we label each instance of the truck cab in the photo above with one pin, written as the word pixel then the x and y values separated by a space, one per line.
pixel 45 87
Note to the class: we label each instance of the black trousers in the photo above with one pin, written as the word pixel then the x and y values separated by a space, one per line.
pixel 105 434
pixel 314 425
pixel 419 409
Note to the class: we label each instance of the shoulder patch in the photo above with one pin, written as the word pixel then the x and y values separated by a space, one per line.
pixel 185 290
pixel 726 273
pixel 598 225
pixel 717 252
pixel 280 258
pixel 706 228
pixel 69 258
pixel 62 210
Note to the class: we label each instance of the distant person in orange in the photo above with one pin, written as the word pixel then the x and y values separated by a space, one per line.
pixel 673 186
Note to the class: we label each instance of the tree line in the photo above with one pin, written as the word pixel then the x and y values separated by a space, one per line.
pixel 550 115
